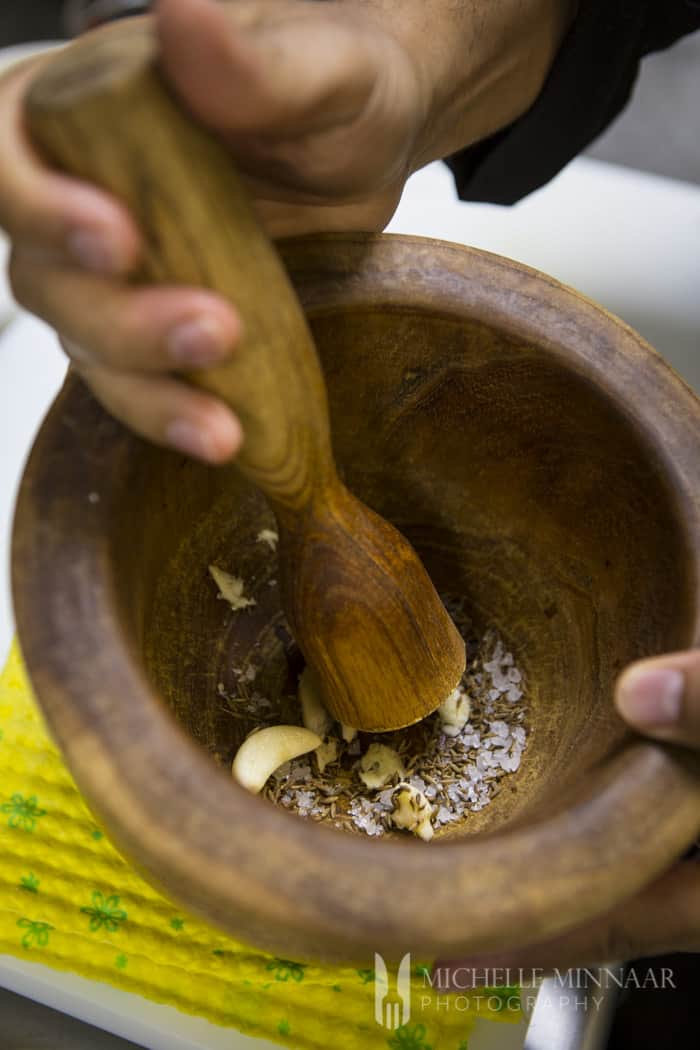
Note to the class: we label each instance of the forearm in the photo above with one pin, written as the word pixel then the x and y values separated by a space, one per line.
pixel 482 63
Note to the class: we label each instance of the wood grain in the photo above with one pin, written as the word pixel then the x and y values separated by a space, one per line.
pixel 545 462
pixel 361 604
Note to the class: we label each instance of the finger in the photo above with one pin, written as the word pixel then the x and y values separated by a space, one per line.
pixel 663 918
pixel 112 324
pixel 661 697
pixel 246 67
pixel 168 412
pixel 42 207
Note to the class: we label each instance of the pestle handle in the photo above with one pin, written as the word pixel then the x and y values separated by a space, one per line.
pixel 101 111
pixel 360 603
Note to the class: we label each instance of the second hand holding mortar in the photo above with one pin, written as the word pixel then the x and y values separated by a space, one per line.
pixel 360 603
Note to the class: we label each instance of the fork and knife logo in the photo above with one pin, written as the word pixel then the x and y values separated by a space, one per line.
pixel 392 1006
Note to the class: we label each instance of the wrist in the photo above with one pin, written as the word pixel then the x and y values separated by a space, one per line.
pixel 480 64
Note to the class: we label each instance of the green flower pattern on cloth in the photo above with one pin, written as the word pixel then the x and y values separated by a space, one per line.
pixel 30 883
pixel 105 913
pixel 285 969
pixel 37 934
pixel 69 900
pixel 23 812
pixel 409 1038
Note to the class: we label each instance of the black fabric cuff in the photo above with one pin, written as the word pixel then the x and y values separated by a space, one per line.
pixel 589 84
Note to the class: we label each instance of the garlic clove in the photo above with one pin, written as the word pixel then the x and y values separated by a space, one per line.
pixel 378 765
pixel 313 713
pixel 231 588
pixel 412 811
pixel 327 753
pixel 265 751
pixel 455 712
pixel 269 537
pixel 348 733
pixel 424 830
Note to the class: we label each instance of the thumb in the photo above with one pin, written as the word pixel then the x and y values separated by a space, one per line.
pixel 254 67
pixel 661 697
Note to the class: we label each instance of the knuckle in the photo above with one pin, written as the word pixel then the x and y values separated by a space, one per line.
pixel 118 345
pixel 98 347
pixel 131 339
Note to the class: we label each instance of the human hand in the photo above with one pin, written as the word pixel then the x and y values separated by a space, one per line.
pixel 659 697
pixel 326 108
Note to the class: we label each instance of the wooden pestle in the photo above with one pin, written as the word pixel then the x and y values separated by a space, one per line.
pixel 357 598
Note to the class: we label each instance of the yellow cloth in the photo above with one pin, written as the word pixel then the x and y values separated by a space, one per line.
pixel 69 900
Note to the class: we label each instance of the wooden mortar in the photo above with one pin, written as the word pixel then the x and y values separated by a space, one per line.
pixel 544 461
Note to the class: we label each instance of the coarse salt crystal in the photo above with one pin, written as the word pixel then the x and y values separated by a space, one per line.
pixel 499 728
pixel 299 774
pixel 499 680
pixel 304 801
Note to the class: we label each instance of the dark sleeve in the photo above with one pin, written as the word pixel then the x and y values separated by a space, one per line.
pixel 22 21
pixel 589 84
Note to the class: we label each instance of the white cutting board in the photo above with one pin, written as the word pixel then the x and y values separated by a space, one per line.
pixel 632 241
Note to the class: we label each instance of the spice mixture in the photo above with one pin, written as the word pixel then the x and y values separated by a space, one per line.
pixel 456 774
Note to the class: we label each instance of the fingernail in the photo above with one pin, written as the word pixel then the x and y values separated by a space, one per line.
pixel 93 252
pixel 650 697
pixel 190 439
pixel 197 343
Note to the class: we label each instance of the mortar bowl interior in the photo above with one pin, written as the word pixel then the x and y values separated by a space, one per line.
pixel 544 462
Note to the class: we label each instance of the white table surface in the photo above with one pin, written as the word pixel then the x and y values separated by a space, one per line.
pixel 629 240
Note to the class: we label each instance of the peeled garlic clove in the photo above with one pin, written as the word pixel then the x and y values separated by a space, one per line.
pixel 326 753
pixel 378 765
pixel 348 733
pixel 231 588
pixel 454 713
pixel 412 811
pixel 424 830
pixel 265 751
pixel 313 713
pixel 268 536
